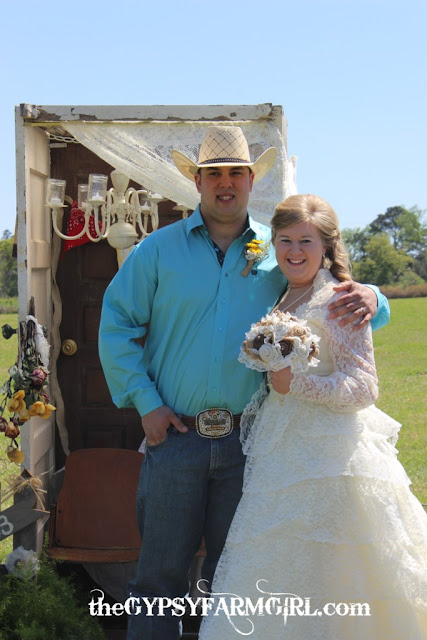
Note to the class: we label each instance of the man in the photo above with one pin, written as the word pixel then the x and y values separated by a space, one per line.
pixel 185 281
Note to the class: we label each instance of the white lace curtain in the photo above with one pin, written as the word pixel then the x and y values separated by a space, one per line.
pixel 142 151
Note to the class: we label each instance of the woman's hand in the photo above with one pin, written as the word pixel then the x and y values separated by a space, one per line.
pixel 281 380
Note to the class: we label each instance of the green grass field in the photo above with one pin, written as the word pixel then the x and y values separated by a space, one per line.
pixel 400 352
pixel 8 353
pixel 8 305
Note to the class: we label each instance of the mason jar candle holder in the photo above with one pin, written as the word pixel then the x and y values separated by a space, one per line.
pixel 143 200
pixel 55 193
pixel 97 189
pixel 82 196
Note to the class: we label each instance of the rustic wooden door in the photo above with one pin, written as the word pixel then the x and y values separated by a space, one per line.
pixel 82 276
pixel 92 421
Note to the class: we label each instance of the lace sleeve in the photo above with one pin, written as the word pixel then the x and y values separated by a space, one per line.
pixel 353 385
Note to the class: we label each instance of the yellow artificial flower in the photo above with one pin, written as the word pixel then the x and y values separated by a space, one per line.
pixel 36 409
pixel 24 415
pixel 48 410
pixel 15 455
pixel 255 251
pixel 16 403
pixel 41 409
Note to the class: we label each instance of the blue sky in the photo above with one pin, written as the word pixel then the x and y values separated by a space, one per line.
pixel 350 74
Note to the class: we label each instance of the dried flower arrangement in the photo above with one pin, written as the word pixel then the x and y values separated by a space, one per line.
pixel 25 394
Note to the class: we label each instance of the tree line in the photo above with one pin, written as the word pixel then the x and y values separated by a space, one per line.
pixel 391 250
pixel 8 267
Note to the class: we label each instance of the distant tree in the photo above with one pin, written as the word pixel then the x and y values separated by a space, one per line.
pixel 387 223
pixel 8 267
pixel 405 227
pixel 420 264
pixel 355 241
pixel 390 250
pixel 382 263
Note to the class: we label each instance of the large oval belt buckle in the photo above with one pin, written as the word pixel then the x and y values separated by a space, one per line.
pixel 214 423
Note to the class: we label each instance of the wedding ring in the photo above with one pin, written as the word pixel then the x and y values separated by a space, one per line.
pixel 363 311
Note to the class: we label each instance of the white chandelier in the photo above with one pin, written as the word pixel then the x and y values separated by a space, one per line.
pixel 121 214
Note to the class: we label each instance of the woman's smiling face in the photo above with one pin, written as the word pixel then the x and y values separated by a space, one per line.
pixel 299 252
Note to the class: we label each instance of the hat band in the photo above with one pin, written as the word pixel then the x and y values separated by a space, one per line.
pixel 234 160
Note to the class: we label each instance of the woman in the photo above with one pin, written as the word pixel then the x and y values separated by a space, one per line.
pixel 326 518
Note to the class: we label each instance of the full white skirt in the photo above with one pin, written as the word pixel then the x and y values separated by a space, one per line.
pixel 326 515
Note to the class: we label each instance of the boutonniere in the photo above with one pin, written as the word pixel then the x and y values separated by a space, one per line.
pixel 255 251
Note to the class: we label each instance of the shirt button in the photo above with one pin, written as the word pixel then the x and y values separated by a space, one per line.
pixel 226 275
pixel 219 328
pixel 213 388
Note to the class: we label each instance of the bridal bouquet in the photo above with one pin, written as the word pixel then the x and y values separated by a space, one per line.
pixel 277 341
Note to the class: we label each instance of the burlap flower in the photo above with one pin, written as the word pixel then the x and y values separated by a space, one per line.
pixel 277 341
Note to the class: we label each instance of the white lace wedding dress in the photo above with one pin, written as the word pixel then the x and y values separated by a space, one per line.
pixel 326 513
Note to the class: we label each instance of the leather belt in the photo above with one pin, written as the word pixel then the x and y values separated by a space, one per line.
pixel 212 423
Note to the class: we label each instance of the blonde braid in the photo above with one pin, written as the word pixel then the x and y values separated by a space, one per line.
pixel 338 258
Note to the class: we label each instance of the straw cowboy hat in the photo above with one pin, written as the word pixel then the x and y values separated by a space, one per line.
pixel 225 147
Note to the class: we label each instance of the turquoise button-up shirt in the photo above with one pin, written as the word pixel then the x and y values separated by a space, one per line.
pixel 194 315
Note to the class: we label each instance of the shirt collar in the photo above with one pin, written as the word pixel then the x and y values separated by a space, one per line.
pixel 195 220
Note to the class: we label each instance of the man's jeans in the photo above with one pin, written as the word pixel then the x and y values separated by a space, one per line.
pixel 189 487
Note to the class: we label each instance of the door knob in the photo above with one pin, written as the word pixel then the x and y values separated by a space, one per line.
pixel 69 347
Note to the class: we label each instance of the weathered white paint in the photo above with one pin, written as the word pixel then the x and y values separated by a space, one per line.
pixel 281 123
pixel 34 280
pixel 21 225
pixel 151 112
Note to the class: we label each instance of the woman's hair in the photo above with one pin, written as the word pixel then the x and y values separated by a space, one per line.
pixel 310 208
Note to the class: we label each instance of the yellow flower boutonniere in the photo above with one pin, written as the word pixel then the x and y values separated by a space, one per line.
pixel 255 251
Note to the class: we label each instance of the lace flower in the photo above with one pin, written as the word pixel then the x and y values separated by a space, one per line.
pixel 277 341
pixel 22 563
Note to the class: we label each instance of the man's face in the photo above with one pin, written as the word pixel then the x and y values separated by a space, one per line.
pixel 224 192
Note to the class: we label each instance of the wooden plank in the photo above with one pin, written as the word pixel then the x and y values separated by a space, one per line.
pixel 18 516
pixel 40 254
pixel 92 113
pixel 70 554
pixel 21 233
pixel 34 280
